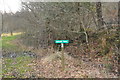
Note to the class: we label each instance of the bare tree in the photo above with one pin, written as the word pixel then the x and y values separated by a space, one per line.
pixel 1 21
pixel 119 13
pixel 99 14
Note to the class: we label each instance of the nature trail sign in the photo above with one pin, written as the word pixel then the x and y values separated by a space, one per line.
pixel 61 41
pixel 62 47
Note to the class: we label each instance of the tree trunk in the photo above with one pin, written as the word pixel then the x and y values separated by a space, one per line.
pixel 99 14
pixel 119 13
pixel 1 25
pixel 11 33
pixel 118 29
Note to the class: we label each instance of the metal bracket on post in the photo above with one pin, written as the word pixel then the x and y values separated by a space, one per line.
pixel 62 45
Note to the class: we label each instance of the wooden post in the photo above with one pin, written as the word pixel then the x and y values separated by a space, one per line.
pixel 63 60
pixel 62 51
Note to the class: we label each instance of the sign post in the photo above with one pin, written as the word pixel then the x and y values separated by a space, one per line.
pixel 62 49
pixel 63 60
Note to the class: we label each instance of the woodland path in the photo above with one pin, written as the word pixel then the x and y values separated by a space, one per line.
pixel 50 67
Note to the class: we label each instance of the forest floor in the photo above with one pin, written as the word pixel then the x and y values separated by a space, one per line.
pixel 49 65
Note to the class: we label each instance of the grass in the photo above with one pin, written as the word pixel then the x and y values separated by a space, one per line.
pixel 14 67
pixel 17 67
pixel 6 43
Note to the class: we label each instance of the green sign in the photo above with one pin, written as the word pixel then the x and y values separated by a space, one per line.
pixel 61 41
